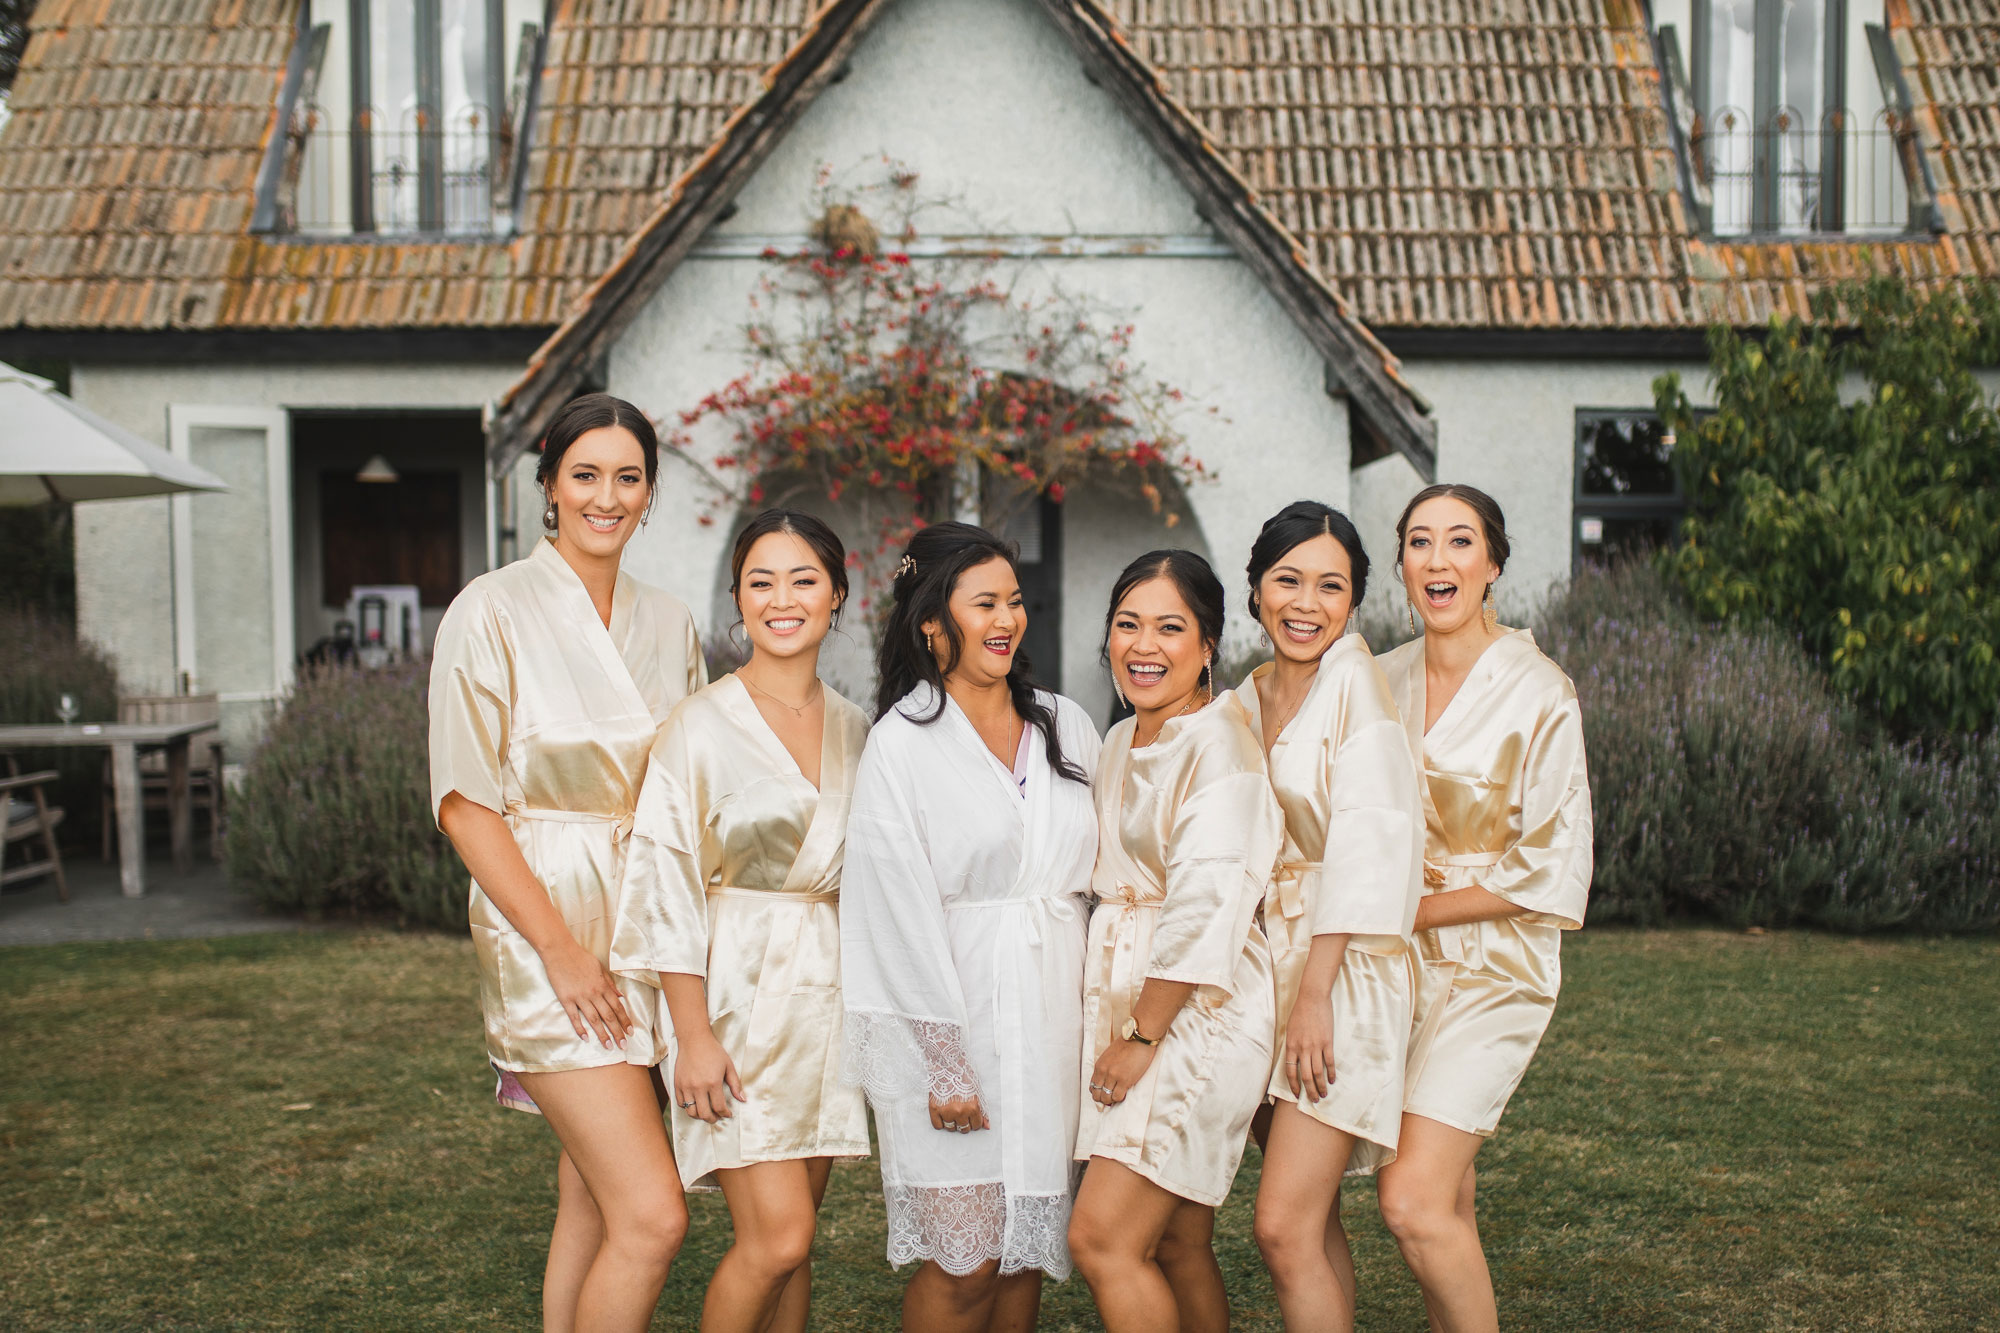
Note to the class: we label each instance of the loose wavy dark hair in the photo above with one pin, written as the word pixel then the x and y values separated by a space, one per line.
pixel 1295 525
pixel 934 561
pixel 824 542
pixel 594 411
pixel 1491 519
pixel 1192 577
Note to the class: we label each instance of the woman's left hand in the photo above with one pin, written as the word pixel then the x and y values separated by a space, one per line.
pixel 1309 1048
pixel 1123 1064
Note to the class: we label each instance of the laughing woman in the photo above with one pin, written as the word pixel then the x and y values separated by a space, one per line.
pixel 1178 998
pixel 549 683
pixel 1497 732
pixel 962 929
pixel 730 909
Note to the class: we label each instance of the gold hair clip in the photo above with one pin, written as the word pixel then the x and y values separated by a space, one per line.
pixel 909 563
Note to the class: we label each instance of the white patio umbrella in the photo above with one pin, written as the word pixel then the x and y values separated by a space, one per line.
pixel 52 448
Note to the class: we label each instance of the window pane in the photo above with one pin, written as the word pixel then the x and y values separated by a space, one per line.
pixel 1624 455
pixel 1795 122
pixel 1619 536
pixel 468 114
pixel 394 110
pixel 1728 111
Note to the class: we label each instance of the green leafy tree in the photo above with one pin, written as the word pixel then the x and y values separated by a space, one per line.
pixel 1847 485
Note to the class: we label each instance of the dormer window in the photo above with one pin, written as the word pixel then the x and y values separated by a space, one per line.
pixel 1793 117
pixel 403 118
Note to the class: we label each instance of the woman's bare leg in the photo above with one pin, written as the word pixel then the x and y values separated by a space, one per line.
pixel 609 1122
pixel 1298 1222
pixel 1017 1305
pixel 1115 1234
pixel 774 1207
pixel 1427 1203
pixel 1186 1254
pixel 573 1244
pixel 941 1302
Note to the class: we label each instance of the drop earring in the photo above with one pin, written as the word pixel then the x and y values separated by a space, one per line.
pixel 1209 667
pixel 1490 611
pixel 1410 609
pixel 549 516
pixel 1122 703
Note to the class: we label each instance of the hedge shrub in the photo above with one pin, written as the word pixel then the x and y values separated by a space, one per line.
pixel 333 817
pixel 1731 782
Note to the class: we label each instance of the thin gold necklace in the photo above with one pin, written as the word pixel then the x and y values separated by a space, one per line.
pixel 798 710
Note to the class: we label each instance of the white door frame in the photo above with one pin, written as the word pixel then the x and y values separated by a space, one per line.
pixel 275 422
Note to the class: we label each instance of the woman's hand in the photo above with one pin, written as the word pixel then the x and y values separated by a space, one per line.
pixel 589 994
pixel 1309 1046
pixel 1123 1064
pixel 958 1115
pixel 703 1072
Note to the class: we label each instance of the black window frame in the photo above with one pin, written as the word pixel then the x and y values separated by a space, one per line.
pixel 1670 506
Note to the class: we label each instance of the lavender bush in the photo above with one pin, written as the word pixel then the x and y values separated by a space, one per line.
pixel 1730 781
pixel 42 661
pixel 333 817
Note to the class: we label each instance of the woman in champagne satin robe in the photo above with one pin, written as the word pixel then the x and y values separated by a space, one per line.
pixel 1498 735
pixel 1178 990
pixel 731 907
pixel 735 878
pixel 549 681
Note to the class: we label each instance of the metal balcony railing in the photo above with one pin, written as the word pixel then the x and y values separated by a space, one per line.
pixel 401 177
pixel 1787 176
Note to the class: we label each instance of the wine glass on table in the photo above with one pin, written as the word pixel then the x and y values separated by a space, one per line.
pixel 66 709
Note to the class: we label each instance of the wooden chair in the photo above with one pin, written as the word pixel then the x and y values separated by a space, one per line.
pixel 23 821
pixel 205 786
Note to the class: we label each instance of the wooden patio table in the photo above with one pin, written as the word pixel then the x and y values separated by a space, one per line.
pixel 125 740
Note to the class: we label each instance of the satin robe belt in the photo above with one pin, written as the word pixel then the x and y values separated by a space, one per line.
pixel 1451 939
pixel 622 824
pixel 1290 883
pixel 737 891
pixel 1128 947
pixel 1287 889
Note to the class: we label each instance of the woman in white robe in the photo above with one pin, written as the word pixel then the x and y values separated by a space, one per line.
pixel 1497 731
pixel 549 680
pixel 962 934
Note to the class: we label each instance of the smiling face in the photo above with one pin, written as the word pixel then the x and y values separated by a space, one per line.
pixel 1155 645
pixel 785 597
pixel 987 609
pixel 600 492
pixel 1446 566
pixel 1305 599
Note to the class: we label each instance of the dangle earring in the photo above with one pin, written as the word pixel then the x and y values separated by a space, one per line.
pixel 1122 703
pixel 549 516
pixel 1209 667
pixel 1410 609
pixel 1489 610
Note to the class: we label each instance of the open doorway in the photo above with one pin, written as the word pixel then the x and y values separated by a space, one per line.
pixel 379 499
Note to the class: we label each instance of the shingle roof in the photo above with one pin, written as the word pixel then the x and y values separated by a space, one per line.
pixel 1440 163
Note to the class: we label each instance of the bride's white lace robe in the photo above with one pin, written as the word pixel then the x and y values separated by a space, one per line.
pixel 962 936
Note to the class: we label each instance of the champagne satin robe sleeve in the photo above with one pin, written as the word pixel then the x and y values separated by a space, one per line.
pixel 1188 832
pixel 544 714
pixel 1353 866
pixel 1507 809
pixel 734 877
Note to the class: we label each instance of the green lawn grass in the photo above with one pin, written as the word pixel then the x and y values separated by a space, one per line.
pixel 1722 1132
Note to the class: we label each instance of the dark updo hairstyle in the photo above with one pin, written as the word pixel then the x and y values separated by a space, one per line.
pixel 823 541
pixel 1491 520
pixel 1295 525
pixel 934 561
pixel 594 411
pixel 1192 578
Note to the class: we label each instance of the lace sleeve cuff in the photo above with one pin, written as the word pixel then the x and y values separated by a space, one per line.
pixel 893 1057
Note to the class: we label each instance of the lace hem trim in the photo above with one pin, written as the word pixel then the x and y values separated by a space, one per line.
pixel 960 1227
pixel 892 1057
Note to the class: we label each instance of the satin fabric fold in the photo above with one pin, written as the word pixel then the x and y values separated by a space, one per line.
pixel 1188 833
pixel 1507 809
pixel 962 933
pixel 1352 865
pixel 544 715
pixel 734 877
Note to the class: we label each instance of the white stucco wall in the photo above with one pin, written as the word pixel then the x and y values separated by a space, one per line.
pixel 123 564
pixel 986 101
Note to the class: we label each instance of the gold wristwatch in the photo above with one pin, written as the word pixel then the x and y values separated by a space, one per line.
pixel 1130 1032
